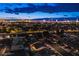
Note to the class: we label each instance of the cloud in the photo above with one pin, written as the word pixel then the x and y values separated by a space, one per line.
pixel 17 8
pixel 30 9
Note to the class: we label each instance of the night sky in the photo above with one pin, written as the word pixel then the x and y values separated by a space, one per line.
pixel 38 10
